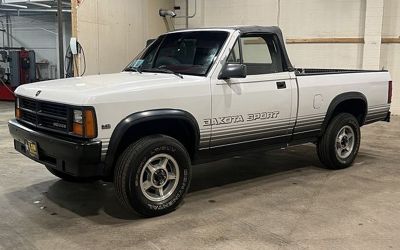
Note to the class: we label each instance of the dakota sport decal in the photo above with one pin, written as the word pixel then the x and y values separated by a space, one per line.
pixel 241 118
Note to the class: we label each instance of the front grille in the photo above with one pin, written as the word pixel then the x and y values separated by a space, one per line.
pixel 28 104
pixel 53 123
pixel 29 117
pixel 53 109
pixel 46 115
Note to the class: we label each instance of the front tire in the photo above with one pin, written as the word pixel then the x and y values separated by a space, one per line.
pixel 153 175
pixel 339 145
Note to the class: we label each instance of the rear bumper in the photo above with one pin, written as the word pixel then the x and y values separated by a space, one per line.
pixel 76 158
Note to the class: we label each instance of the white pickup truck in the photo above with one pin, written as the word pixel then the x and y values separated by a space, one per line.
pixel 190 97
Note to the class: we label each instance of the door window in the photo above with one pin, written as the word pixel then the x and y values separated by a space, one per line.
pixel 259 52
pixel 234 56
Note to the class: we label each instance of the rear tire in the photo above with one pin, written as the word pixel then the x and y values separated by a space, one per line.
pixel 152 175
pixel 339 145
pixel 70 178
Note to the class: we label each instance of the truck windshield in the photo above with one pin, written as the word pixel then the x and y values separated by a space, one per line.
pixel 190 53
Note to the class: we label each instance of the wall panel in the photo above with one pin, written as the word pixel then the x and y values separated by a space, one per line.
pixel 390 53
pixel 112 32
pixel 301 19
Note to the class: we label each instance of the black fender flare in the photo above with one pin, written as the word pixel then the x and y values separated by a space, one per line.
pixel 338 100
pixel 145 116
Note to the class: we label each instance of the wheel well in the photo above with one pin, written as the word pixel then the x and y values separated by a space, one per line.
pixel 178 129
pixel 356 107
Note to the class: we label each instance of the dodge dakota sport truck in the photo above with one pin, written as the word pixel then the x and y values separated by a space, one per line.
pixel 193 96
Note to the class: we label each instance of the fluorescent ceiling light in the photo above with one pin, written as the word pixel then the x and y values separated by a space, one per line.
pixel 39 4
pixel 14 5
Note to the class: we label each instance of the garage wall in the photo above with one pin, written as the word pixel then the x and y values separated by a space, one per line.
pixel 112 32
pixel 37 32
pixel 390 53
pixel 321 20
pixel 316 19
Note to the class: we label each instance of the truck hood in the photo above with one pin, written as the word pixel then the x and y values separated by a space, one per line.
pixel 86 90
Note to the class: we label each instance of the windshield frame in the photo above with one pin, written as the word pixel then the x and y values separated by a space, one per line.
pixel 159 41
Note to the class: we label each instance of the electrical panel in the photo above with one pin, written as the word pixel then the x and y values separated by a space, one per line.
pixel 22 67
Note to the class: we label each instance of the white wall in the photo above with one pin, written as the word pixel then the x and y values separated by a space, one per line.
pixel 297 19
pixel 317 19
pixel 390 53
pixel 113 32
pixel 38 33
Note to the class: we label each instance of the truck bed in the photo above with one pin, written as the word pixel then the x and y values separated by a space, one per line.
pixel 315 71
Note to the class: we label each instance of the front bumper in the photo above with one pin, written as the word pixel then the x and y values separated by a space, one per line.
pixel 76 158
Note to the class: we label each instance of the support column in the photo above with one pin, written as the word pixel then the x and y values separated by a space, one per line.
pixel 60 38
pixel 74 19
pixel 372 34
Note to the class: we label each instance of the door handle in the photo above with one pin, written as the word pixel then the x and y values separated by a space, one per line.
pixel 281 85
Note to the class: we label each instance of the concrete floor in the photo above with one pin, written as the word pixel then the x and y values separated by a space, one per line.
pixel 279 199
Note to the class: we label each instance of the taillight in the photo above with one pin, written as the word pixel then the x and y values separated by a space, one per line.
pixel 390 92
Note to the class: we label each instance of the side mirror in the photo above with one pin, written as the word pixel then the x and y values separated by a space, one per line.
pixel 231 70
pixel 150 41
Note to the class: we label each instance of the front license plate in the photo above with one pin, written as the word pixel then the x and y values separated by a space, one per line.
pixel 32 149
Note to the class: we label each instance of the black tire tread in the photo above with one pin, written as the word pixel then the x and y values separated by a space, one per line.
pixel 121 173
pixel 323 148
pixel 122 167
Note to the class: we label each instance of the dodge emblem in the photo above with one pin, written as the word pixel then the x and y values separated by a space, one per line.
pixel 38 93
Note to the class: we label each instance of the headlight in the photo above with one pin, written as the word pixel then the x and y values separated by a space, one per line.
pixel 78 116
pixel 84 123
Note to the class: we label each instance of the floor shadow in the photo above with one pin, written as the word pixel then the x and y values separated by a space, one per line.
pixel 251 166
pixel 91 199
pixel 88 199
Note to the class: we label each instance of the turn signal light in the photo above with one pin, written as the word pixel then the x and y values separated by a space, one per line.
pixel 90 124
pixel 77 129
pixel 18 113
pixel 86 125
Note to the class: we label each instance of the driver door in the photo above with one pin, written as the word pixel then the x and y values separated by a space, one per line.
pixel 255 110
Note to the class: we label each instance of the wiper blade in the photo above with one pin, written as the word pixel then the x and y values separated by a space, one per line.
pixel 165 70
pixel 134 69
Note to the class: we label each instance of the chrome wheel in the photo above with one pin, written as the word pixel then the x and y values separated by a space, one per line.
pixel 159 177
pixel 345 142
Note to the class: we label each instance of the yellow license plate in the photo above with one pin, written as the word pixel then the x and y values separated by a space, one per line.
pixel 32 149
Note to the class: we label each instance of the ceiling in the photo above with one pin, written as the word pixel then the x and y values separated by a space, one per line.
pixel 31 6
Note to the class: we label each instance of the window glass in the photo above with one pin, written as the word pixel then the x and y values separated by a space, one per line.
pixel 234 56
pixel 261 55
pixel 148 60
pixel 255 50
pixel 191 53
